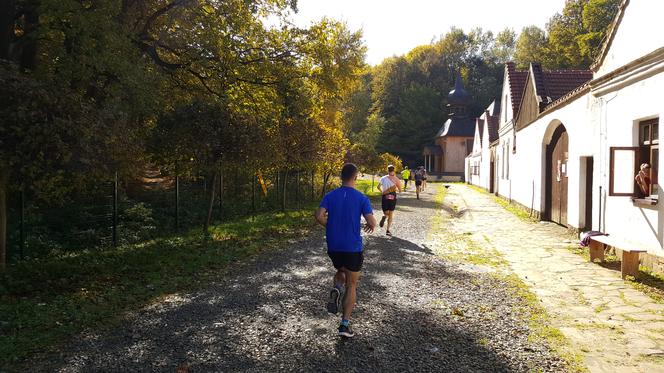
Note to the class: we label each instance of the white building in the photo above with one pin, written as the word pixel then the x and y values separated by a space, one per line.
pixel 569 150
pixel 480 169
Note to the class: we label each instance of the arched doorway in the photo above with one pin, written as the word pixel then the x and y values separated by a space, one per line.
pixel 556 176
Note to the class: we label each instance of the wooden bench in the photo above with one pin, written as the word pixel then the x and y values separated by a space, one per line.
pixel 629 261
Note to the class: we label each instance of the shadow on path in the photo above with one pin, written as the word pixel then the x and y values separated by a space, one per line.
pixel 414 312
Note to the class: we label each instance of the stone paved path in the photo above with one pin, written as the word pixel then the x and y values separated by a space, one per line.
pixel 614 326
pixel 416 312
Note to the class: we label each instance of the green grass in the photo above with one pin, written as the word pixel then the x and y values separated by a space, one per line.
pixel 365 186
pixel 44 303
pixel 518 211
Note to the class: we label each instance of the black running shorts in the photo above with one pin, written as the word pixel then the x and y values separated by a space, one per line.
pixel 389 202
pixel 418 182
pixel 350 261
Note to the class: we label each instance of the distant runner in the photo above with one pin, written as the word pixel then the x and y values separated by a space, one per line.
pixel 340 213
pixel 388 186
pixel 405 175
pixel 424 178
pixel 419 176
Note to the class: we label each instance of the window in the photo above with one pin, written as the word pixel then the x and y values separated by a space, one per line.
pixel 649 150
pixel 625 162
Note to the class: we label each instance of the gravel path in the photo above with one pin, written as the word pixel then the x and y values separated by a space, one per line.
pixel 415 312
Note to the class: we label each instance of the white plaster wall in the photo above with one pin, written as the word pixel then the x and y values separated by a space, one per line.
pixel 528 165
pixel 470 161
pixel 638 34
pixel 617 114
pixel 485 166
pixel 504 183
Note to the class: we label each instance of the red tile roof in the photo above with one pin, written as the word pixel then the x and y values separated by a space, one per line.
pixel 517 82
pixel 493 123
pixel 480 125
pixel 558 83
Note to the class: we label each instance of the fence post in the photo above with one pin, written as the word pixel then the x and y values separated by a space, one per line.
pixel 115 210
pixel 177 202
pixel 284 190
pixel 297 187
pixel 253 193
pixel 313 197
pixel 22 217
pixel 221 193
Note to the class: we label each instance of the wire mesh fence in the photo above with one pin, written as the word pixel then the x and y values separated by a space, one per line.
pixel 119 212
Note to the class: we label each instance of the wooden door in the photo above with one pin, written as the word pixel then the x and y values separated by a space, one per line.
pixel 589 193
pixel 558 179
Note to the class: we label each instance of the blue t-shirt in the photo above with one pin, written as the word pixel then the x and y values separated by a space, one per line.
pixel 345 207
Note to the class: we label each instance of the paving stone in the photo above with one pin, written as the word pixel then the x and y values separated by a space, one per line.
pixel 571 288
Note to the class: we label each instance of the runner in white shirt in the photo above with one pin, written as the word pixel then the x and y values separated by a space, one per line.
pixel 388 186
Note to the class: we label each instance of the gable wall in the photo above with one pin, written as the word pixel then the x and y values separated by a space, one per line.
pixel 638 34
pixel 529 108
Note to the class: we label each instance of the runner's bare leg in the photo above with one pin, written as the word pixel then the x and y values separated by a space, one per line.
pixel 340 277
pixel 351 292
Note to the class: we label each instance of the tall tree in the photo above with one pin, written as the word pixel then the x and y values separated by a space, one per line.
pixel 531 46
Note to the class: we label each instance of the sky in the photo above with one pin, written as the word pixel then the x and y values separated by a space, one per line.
pixel 394 27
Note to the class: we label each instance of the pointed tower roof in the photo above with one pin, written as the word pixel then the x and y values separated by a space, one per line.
pixel 458 96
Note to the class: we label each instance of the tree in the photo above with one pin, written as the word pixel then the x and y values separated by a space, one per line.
pixel 504 46
pixel 531 46
pixel 563 30
pixel 597 16
pixel 45 140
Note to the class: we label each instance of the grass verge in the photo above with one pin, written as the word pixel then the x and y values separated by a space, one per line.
pixel 463 248
pixel 44 303
pixel 368 187
pixel 518 211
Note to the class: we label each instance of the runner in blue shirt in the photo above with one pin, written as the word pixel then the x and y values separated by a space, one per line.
pixel 340 213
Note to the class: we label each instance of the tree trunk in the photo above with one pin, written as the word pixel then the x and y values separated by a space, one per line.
pixel 7 12
pixel 326 177
pixel 29 52
pixel 208 221
pixel 284 190
pixel 3 221
pixel 278 186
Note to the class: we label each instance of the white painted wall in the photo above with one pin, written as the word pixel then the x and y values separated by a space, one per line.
pixel 528 164
pixel 638 34
pixel 617 115
pixel 505 133
pixel 605 117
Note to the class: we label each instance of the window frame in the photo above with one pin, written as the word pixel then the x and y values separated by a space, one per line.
pixel 646 148
pixel 612 175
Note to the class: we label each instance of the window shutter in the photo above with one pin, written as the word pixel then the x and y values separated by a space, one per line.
pixel 623 168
